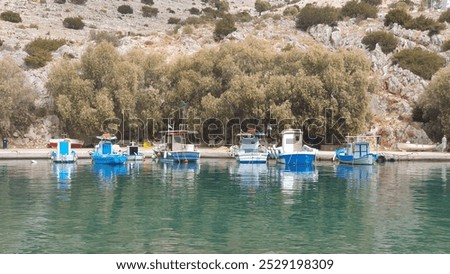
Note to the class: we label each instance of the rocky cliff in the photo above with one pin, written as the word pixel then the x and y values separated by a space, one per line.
pixel 395 93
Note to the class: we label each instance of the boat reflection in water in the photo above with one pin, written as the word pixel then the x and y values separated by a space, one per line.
pixel 249 175
pixel 179 172
pixel 107 174
pixel 63 173
pixel 356 175
pixel 294 178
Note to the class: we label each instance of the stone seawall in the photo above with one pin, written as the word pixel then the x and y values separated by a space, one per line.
pixel 222 153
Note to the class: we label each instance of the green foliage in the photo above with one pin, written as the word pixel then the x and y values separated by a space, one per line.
pixel 11 16
pixel 446 45
pixel 222 6
pixel 78 2
pixel 126 9
pixel 39 51
pixel 60 1
pixel 385 40
pixel 104 36
pixel 236 80
pixel 247 79
pixel 373 2
pixel 73 23
pixel 224 27
pixel 420 62
pixel 210 12
pixel 173 21
pixel 149 11
pixel 196 20
pixel 311 15
pixel 39 59
pixel 242 16
pixel 421 23
pixel 17 98
pixel 194 11
pixel 445 16
pixel 433 105
pixel 262 6
pixel 102 87
pixel 355 9
pixel 291 11
pixel 398 16
pixel 147 2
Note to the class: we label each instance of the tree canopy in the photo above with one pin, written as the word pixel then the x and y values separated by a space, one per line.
pixel 433 105
pixel 235 82
pixel 16 97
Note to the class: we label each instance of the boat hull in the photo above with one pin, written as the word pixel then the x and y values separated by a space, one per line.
pixel 139 157
pixel 251 158
pixel 415 147
pixel 296 159
pixel 368 159
pixel 111 159
pixel 67 159
pixel 180 156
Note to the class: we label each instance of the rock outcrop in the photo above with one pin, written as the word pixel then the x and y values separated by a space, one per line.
pixel 396 92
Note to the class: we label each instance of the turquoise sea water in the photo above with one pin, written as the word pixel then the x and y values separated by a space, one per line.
pixel 219 206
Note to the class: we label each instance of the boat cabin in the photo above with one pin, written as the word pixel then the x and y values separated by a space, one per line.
pixel 106 148
pixel 177 140
pixel 248 142
pixel 358 149
pixel 292 140
pixel 64 147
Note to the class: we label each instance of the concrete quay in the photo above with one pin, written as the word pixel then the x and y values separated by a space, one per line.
pixel 219 152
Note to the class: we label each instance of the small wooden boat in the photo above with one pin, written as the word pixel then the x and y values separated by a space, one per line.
pixel 175 146
pixel 105 153
pixel 292 151
pixel 356 152
pixel 415 147
pixel 250 150
pixel 133 153
pixel 64 152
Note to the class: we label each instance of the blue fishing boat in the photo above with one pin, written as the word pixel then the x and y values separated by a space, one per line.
pixel 175 146
pixel 105 153
pixel 64 152
pixel 356 152
pixel 292 151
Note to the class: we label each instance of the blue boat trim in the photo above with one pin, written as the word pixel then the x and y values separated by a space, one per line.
pixel 356 153
pixel 292 152
pixel 63 153
pixel 104 152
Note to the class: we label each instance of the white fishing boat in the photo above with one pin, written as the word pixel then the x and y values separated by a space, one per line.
pixel 250 149
pixel 292 151
pixel 133 153
pixel 356 152
pixel 416 147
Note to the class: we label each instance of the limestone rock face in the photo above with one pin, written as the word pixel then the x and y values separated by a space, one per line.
pixel 396 90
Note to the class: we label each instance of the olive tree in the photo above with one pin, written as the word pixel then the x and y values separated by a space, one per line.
pixel 105 87
pixel 433 105
pixel 16 97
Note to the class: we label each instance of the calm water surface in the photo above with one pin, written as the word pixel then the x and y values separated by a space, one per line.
pixel 219 206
